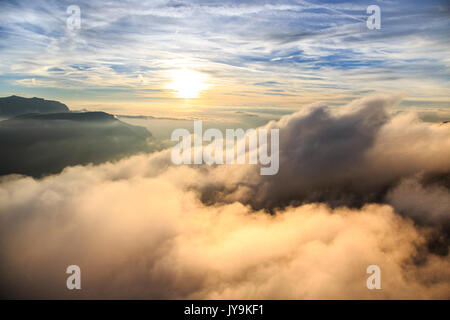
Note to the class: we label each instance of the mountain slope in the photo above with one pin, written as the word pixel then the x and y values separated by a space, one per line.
pixel 39 144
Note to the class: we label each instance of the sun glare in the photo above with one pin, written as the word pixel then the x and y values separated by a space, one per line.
pixel 187 83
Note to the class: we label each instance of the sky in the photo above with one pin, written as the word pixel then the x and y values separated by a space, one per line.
pixel 361 181
pixel 257 57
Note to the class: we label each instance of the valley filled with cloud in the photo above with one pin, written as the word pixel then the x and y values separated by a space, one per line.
pixel 357 186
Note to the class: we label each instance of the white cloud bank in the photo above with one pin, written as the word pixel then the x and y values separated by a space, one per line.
pixel 142 228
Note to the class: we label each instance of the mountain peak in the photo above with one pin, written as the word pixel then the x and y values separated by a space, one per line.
pixel 15 105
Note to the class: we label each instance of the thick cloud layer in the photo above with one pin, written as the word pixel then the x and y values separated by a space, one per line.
pixel 348 157
pixel 142 228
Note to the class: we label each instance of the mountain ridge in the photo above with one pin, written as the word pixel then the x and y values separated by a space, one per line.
pixel 38 144
pixel 14 105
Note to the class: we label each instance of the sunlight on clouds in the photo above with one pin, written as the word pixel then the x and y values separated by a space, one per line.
pixel 187 83
pixel 261 52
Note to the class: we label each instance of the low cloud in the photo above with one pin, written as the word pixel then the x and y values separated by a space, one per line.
pixel 355 188
pixel 346 157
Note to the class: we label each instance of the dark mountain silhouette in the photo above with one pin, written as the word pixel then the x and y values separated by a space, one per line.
pixel 14 105
pixel 39 144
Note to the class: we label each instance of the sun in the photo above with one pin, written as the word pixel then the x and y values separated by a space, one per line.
pixel 187 83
